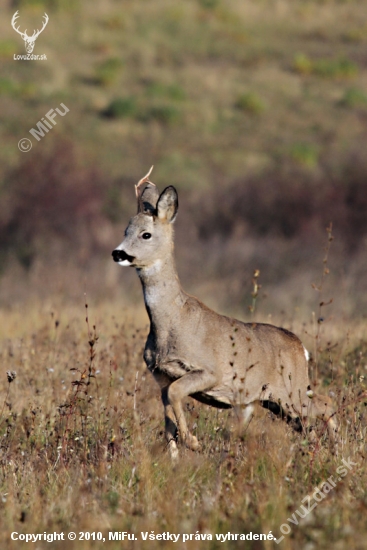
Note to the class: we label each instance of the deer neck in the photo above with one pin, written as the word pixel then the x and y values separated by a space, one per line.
pixel 163 294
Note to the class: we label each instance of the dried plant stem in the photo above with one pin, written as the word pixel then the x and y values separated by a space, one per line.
pixel 317 322
pixel 4 403
pixel 255 291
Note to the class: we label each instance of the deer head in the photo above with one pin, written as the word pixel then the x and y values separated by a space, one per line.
pixel 149 235
pixel 29 40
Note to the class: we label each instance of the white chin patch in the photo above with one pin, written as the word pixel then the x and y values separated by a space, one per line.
pixel 125 263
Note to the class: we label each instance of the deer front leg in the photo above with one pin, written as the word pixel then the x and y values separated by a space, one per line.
pixel 170 424
pixel 169 416
pixel 192 382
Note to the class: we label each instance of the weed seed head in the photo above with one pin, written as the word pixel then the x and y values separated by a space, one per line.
pixel 11 375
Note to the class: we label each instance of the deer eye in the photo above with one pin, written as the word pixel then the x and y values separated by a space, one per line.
pixel 146 236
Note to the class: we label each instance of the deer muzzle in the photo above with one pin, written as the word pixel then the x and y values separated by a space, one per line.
pixel 122 258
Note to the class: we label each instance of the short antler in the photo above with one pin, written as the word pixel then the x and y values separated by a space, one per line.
pixel 147 194
pixel 143 180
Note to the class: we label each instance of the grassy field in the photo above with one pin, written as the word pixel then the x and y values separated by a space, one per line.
pixel 256 112
pixel 199 88
pixel 82 444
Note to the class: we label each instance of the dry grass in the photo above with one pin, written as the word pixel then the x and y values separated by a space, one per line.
pixel 82 445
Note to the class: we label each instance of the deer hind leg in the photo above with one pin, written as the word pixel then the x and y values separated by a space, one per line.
pixel 321 408
pixel 247 415
pixel 171 431
pixel 192 382
pixel 289 417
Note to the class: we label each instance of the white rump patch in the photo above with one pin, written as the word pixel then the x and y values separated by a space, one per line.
pixel 307 355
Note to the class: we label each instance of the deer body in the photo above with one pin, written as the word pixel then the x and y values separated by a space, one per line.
pixel 193 351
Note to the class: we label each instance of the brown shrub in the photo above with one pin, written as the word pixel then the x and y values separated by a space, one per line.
pixel 51 198
pixel 289 203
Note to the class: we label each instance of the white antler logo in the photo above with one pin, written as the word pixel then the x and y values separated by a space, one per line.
pixel 28 40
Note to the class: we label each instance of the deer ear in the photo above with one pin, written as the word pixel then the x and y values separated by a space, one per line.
pixel 148 199
pixel 167 205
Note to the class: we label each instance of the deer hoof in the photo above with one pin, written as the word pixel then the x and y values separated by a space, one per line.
pixel 192 443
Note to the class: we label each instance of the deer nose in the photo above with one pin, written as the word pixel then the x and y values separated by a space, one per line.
pixel 120 256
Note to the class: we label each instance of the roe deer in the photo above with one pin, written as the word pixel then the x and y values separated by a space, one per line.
pixel 193 351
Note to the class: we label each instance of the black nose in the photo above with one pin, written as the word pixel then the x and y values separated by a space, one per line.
pixel 120 256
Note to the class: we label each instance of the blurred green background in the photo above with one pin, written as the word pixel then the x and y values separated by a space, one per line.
pixel 255 110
